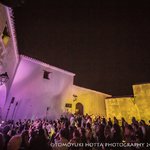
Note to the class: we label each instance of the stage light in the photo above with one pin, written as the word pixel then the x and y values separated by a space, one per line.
pixel 74 97
pixel 6 35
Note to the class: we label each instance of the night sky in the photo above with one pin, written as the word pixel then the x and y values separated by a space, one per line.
pixel 105 43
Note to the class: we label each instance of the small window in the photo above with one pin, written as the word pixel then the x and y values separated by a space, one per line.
pixel 46 75
pixel 68 105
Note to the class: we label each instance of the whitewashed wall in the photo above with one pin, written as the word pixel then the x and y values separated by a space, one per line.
pixel 34 94
pixel 8 53
pixel 93 102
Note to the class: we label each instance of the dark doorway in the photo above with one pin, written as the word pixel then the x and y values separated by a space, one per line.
pixel 79 108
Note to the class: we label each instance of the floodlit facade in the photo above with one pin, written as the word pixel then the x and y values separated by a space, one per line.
pixel 35 89
pixel 86 101
pixel 8 51
pixel 132 106
pixel 142 99
pixel 122 107
pixel 38 90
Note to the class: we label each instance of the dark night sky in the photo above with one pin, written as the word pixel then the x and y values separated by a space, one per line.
pixel 106 44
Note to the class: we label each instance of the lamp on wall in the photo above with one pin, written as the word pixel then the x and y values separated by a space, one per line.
pixel 3 78
pixel 74 97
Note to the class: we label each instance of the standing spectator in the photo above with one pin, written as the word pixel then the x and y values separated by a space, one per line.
pixel 110 122
pixel 1 141
pixel 14 143
pixel 25 140
pixel 62 140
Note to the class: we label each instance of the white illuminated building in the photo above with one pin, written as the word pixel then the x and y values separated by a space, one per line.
pixel 36 89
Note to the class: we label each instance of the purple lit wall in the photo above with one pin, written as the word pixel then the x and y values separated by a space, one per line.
pixel 2 98
pixel 8 50
pixel 35 94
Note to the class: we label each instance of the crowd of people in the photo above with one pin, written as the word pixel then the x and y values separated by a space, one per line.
pixel 74 132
